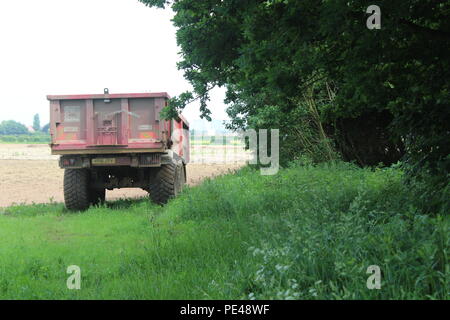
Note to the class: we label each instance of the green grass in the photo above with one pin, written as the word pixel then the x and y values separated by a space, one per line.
pixel 32 138
pixel 306 233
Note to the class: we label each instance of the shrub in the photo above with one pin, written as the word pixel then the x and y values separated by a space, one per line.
pixel 312 231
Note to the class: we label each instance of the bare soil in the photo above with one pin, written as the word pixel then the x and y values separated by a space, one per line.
pixel 29 174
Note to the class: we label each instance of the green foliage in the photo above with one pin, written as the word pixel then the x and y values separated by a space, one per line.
pixel 26 138
pixel 10 127
pixel 306 233
pixel 392 83
pixel 36 123
pixel 14 132
pixel 431 186
pixel 46 128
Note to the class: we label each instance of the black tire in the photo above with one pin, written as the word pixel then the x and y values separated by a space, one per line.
pixel 167 183
pixel 76 189
pixel 97 196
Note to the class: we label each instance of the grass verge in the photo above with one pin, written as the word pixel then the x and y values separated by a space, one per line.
pixel 306 233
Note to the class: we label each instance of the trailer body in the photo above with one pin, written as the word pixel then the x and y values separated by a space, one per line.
pixel 118 141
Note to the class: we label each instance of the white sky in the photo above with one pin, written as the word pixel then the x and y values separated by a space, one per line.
pixel 83 46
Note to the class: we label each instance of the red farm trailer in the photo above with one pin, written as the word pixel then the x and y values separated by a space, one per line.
pixel 108 141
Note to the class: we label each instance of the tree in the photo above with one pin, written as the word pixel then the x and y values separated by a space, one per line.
pixel 36 123
pixel 46 128
pixel 390 89
pixel 11 127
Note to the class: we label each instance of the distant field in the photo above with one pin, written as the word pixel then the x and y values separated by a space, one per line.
pixel 29 173
pixel 217 140
pixel 306 233
pixel 18 151
pixel 41 181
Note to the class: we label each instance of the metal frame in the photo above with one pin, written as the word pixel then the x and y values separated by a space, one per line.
pixel 90 146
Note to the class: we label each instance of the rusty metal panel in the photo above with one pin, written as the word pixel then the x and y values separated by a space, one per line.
pixel 180 139
pixel 107 122
pixel 79 149
pixel 163 95
pixel 72 122
pixel 143 126
pixel 124 129
pixel 90 132
pixel 54 119
pixel 186 143
pixel 177 137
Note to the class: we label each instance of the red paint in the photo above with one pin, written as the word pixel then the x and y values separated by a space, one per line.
pixel 87 124
pixel 109 96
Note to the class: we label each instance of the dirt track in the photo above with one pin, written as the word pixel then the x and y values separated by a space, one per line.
pixel 31 174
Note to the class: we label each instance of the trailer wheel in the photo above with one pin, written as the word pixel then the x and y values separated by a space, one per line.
pixel 167 183
pixel 76 189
